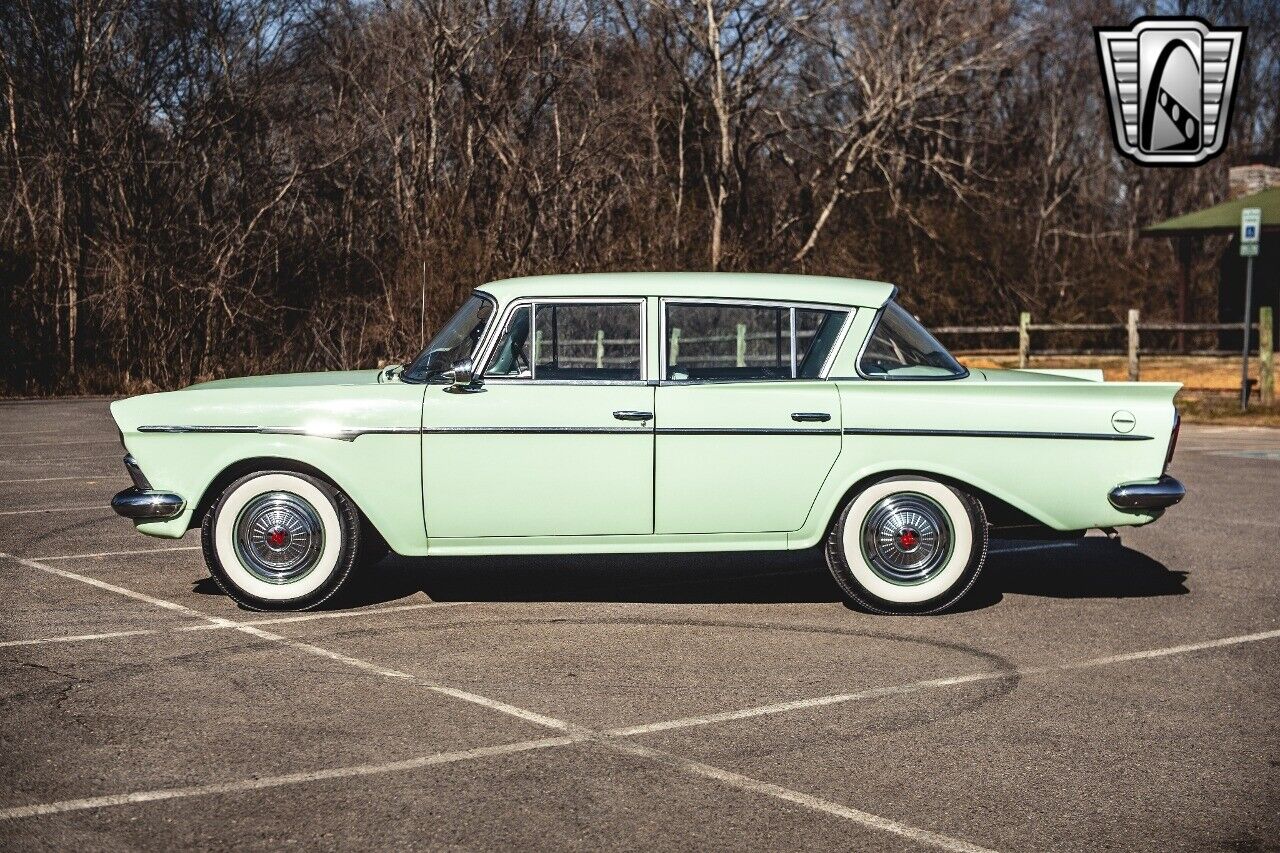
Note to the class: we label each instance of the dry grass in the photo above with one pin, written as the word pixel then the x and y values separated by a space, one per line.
pixel 1211 383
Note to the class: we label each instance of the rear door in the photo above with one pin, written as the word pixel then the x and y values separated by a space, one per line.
pixel 747 428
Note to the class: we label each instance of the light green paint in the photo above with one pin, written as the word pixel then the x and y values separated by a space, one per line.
pixel 522 484
pixel 701 479
pixel 632 492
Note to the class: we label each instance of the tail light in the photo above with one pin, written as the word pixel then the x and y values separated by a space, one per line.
pixel 1173 439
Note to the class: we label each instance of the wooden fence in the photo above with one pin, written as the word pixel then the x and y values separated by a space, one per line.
pixel 1134 329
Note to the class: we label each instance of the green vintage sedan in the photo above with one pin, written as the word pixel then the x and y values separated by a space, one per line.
pixel 622 413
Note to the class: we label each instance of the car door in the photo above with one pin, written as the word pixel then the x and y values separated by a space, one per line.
pixel 558 440
pixel 747 428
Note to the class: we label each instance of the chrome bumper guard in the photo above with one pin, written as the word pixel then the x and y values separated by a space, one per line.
pixel 1147 496
pixel 141 505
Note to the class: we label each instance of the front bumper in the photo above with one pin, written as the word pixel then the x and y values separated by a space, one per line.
pixel 147 505
pixel 1148 495
pixel 143 503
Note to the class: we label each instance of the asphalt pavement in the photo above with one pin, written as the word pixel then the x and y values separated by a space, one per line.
pixel 1088 695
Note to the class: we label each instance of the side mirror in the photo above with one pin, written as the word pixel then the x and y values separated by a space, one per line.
pixel 461 377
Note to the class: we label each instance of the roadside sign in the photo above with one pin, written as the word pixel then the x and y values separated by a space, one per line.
pixel 1250 236
pixel 1250 231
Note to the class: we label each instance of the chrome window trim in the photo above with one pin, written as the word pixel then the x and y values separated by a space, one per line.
pixel 791 316
pixel 825 371
pixel 871 330
pixel 491 341
pixel 488 332
pixel 792 305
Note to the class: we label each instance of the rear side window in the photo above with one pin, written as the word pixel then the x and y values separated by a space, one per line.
pixel 901 348
pixel 726 341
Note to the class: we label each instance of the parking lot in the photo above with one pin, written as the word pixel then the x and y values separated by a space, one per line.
pixel 1088 695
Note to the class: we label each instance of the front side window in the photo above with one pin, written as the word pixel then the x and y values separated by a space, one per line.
pixel 455 341
pixel 900 348
pixel 748 342
pixel 561 341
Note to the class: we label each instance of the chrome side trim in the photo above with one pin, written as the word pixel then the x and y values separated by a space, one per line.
pixel 744 431
pixel 497 430
pixel 142 505
pixel 1147 496
pixel 343 434
pixel 994 433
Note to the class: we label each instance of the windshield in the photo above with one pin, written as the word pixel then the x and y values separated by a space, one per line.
pixel 900 348
pixel 455 341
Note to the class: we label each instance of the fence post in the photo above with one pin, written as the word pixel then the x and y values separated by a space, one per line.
pixel 1266 357
pixel 742 345
pixel 599 348
pixel 1024 339
pixel 673 350
pixel 1133 344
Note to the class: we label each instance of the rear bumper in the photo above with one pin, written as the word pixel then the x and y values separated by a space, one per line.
pixel 1147 495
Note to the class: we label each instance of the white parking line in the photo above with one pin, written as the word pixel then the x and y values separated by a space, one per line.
pixel 53 479
pixel 79 638
pixel 1024 549
pixel 278 620
pixel 84 508
pixel 96 458
pixel 611 739
pixel 33 432
pixel 916 686
pixel 575 732
pixel 117 553
pixel 59 443
pixel 747 783
pixel 276 781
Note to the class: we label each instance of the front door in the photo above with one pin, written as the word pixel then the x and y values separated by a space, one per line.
pixel 559 441
pixel 747 428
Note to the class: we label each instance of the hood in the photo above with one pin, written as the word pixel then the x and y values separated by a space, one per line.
pixel 294 380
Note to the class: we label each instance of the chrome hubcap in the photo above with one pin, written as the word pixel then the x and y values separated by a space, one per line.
pixel 906 538
pixel 279 537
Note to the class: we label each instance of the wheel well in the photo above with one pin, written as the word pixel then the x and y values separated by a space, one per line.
pixel 236 470
pixel 1000 513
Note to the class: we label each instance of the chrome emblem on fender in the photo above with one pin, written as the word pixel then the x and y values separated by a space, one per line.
pixel 1169 84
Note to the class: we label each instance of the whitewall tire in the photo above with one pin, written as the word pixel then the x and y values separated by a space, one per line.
pixel 280 540
pixel 908 544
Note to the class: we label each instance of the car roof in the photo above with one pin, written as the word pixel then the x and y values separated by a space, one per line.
pixel 703 285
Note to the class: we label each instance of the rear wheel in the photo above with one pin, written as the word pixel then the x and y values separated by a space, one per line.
pixel 280 540
pixel 908 545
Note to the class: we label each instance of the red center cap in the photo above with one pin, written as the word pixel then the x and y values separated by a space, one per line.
pixel 908 538
pixel 278 538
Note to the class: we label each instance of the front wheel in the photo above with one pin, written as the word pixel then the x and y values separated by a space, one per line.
pixel 908 545
pixel 280 540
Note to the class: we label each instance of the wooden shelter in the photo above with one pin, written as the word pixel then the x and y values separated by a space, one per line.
pixel 1186 232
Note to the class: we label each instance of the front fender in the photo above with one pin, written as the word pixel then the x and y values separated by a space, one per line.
pixel 381 472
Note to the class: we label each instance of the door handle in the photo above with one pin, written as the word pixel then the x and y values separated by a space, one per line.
pixel 631 415
pixel 810 417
